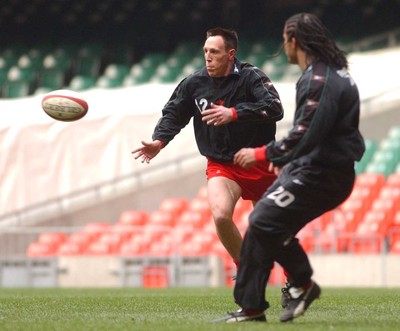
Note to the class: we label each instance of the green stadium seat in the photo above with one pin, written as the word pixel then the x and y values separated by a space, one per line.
pixel 19 82
pixel 131 80
pixel 88 61
pixel 153 59
pixel 88 66
pixel 108 82
pixel 26 74
pixel 257 55
pixel 52 78
pixel 171 69
pixel 58 60
pixel 40 90
pixel 32 60
pixel 390 145
pixel 390 156
pixel 81 82
pixel 274 71
pixel 121 53
pixel 148 65
pixel 370 149
pixel 394 133
pixel 166 74
pixel 256 59
pixel 116 71
pixel 379 168
pixel 10 56
pixel 3 71
pixel 15 89
pixel 113 76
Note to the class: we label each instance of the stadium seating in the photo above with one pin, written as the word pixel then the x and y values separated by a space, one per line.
pixel 370 148
pixel 88 61
pixel 40 250
pixel 81 83
pixel 368 222
pixel 113 76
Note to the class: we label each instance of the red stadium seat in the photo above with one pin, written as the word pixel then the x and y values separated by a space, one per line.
pixel 395 247
pixel 374 222
pixel 194 218
pixel 100 248
pixel 38 249
pixel 306 237
pixel 133 248
pixel 82 238
pixel 219 250
pixel 195 248
pixel 71 248
pixel 97 228
pixel 137 245
pixel 394 229
pixel 164 247
pixel 53 239
pixel 114 239
pixel 155 277
pixel 183 232
pixel 373 181
pixel 350 213
pixel 388 206
pixel 174 205
pixel 202 193
pixel 162 218
pixel 242 206
pixel 370 180
pixel 365 194
pixel 366 245
pixel 208 238
pixel 393 180
pixel 391 193
pixel 125 230
pixel 370 233
pixel 200 205
pixel 242 222
pixel 133 217
pixel 154 232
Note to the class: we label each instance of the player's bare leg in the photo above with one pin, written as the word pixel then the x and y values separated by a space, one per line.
pixel 223 195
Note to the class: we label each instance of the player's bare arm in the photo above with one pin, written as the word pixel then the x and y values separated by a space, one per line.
pixel 148 151
pixel 217 115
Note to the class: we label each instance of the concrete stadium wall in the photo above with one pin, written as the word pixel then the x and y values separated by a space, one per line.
pixel 330 270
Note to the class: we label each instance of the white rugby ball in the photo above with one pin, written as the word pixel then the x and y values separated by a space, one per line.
pixel 65 105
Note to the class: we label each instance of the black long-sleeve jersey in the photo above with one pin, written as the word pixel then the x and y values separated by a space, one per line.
pixel 246 88
pixel 325 129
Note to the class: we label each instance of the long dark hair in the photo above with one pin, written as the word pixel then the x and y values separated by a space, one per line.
pixel 315 39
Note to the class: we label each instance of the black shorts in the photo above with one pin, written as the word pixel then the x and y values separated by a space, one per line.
pixel 298 197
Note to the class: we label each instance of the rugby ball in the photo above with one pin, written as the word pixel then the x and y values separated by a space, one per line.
pixel 65 105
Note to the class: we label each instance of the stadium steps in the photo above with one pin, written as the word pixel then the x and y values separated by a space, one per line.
pixel 43 68
pixel 367 222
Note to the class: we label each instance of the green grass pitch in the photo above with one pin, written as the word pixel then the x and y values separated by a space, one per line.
pixel 188 309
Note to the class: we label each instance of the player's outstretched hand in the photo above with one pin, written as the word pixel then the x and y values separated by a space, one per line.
pixel 217 115
pixel 246 157
pixel 148 150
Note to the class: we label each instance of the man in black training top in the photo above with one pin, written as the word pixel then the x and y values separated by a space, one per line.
pixel 315 167
pixel 233 105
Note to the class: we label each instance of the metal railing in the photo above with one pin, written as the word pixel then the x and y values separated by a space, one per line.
pixel 95 194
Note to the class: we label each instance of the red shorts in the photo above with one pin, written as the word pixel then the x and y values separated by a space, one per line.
pixel 253 181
